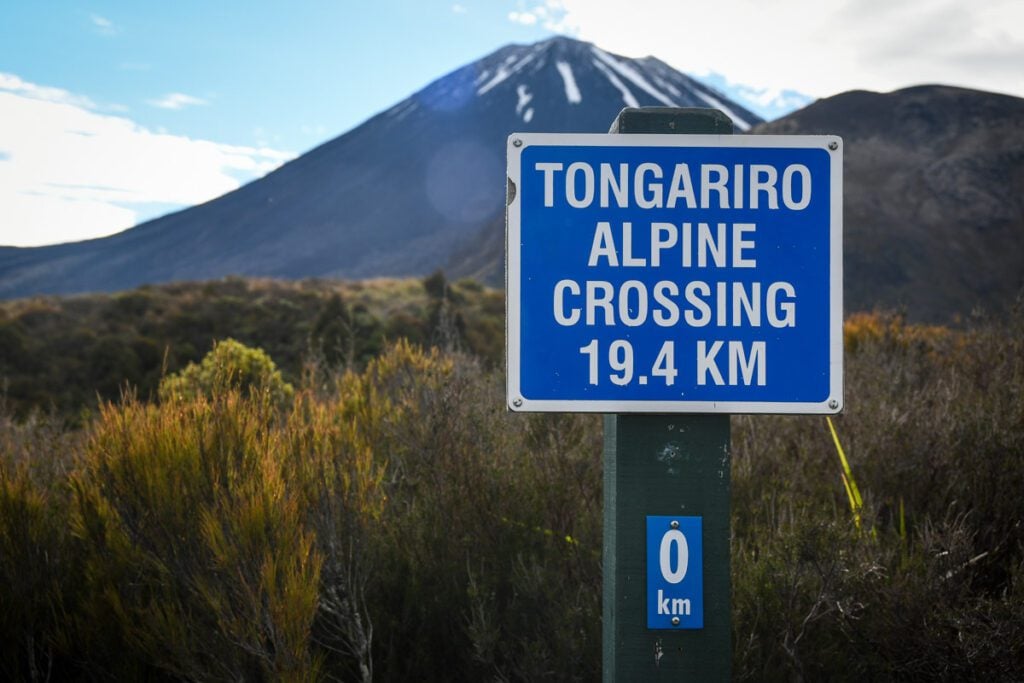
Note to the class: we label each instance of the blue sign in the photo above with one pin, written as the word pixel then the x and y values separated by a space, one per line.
pixel 675 572
pixel 675 273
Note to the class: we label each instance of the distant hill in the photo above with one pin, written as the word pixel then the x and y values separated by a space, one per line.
pixel 933 194
pixel 404 193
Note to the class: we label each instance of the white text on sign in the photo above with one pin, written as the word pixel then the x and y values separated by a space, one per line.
pixel 690 246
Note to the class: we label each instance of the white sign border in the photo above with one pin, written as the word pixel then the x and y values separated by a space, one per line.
pixel 519 142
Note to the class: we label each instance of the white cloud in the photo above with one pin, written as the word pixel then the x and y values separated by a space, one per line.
pixel 103 25
pixel 524 18
pixel 459 9
pixel 176 100
pixel 819 47
pixel 68 172
pixel 12 83
pixel 769 103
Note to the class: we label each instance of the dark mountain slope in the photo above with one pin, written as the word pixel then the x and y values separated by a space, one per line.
pixel 399 195
pixel 934 196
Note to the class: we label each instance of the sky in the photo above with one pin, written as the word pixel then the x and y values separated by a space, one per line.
pixel 114 112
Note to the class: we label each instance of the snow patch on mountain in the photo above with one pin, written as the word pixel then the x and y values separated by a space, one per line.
pixel 627 94
pixel 524 98
pixel 481 77
pixel 633 76
pixel 504 71
pixel 572 91
pixel 667 86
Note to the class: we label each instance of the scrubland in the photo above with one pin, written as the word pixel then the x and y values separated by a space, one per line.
pixel 368 510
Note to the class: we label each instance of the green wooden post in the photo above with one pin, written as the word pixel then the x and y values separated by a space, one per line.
pixel 665 465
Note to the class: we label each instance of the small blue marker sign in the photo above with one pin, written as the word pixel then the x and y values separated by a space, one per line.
pixel 675 572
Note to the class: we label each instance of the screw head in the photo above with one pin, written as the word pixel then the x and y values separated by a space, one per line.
pixel 833 404
pixel 674 524
pixel 517 143
pixel 675 621
pixel 833 145
pixel 517 402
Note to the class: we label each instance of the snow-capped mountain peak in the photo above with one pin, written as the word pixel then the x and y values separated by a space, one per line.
pixel 583 74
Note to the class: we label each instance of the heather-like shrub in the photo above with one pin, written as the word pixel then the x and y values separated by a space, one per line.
pixel 230 365
pixel 196 555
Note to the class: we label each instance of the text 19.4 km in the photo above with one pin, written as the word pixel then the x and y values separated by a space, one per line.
pixel 740 363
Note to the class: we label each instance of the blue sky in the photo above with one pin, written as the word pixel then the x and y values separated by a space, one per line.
pixel 115 112
pixel 282 74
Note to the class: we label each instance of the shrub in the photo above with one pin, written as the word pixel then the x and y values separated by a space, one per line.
pixel 230 365
pixel 196 555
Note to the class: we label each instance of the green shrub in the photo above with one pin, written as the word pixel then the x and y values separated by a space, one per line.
pixel 230 365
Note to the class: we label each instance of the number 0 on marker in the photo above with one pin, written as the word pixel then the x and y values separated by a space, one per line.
pixel 676 538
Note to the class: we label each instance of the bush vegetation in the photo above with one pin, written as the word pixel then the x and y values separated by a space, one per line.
pixel 67 355
pixel 379 516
